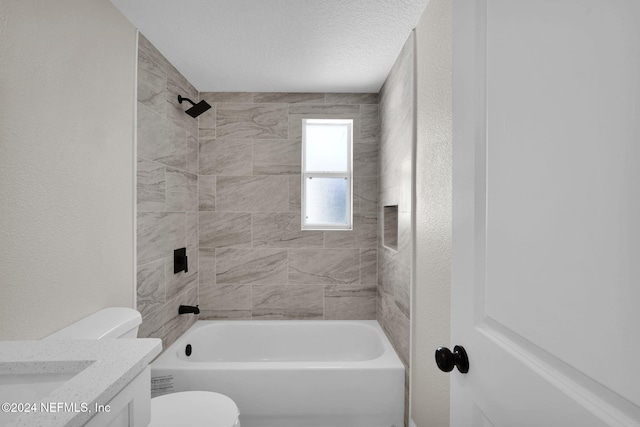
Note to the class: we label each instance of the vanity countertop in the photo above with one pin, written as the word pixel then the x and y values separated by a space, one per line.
pixel 104 368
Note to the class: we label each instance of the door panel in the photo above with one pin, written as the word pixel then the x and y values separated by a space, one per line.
pixel 546 277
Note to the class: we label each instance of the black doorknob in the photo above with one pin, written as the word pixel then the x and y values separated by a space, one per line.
pixel 447 360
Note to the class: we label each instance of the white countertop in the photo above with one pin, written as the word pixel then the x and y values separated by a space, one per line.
pixel 106 366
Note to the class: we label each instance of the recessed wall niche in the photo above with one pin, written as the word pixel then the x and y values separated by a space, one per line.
pixel 390 227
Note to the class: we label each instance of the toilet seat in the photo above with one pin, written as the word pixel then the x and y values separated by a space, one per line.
pixel 194 408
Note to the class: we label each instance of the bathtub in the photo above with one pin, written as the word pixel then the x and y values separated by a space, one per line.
pixel 287 373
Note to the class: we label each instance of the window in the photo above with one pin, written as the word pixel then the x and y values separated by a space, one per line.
pixel 326 174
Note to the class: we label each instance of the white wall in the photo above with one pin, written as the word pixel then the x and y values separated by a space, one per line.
pixel 67 84
pixel 431 293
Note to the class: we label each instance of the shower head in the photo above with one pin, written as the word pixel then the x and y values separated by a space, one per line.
pixel 197 109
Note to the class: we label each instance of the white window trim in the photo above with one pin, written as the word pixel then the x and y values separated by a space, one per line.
pixel 348 175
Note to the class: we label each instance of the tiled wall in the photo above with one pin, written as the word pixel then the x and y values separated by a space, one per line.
pixel 227 186
pixel 255 262
pixel 167 196
pixel 396 151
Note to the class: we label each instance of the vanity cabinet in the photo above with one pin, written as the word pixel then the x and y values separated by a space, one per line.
pixel 131 407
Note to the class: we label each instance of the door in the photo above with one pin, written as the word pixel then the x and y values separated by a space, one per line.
pixel 546 212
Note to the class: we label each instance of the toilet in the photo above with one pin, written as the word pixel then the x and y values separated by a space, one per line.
pixel 194 408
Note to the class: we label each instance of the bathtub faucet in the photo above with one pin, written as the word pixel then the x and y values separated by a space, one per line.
pixel 184 309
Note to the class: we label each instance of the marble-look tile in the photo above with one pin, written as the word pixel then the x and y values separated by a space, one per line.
pixel 207 123
pixel 389 271
pixel 156 56
pixel 387 192
pixel 193 255
pixel 379 312
pixel 391 157
pixel 251 266
pixel 225 297
pixel 152 82
pixel 152 325
pixel 178 202
pixel 154 143
pixel 151 134
pixel 192 153
pixel 181 191
pixel 237 97
pixel 207 266
pixel 365 159
pixel 365 194
pixel 193 245
pixel 368 266
pixel 370 123
pixel 150 287
pixel 277 157
pixel 150 186
pixel 351 98
pixel 225 229
pixel 283 230
pixel 192 230
pixel 225 314
pixel 289 98
pixel 177 324
pixel 287 302
pixel 183 86
pixel 252 193
pixel 406 395
pixel 324 266
pixel 176 142
pixel 348 302
pixel 188 90
pixel 294 193
pixel 400 77
pixel 225 157
pixel 175 111
pixel 145 46
pixel 207 193
pixel 159 234
pixel 395 280
pixel 403 254
pixel 257 121
pixel 363 235
pixel 396 110
pixel 160 140
pixel 396 326
pixel 176 283
pixel 395 133
pixel 401 296
pixel 167 180
pixel 324 110
pixel 192 299
pixel 297 112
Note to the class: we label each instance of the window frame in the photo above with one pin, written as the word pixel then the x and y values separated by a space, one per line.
pixel 348 175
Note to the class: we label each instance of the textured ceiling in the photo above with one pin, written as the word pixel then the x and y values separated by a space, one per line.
pixel 278 45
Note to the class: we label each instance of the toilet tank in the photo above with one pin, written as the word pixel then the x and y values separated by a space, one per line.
pixel 112 322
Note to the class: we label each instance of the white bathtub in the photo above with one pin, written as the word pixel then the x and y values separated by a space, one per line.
pixel 290 373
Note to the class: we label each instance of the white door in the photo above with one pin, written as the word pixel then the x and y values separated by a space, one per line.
pixel 546 223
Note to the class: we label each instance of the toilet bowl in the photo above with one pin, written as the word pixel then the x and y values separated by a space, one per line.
pixel 187 408
pixel 194 408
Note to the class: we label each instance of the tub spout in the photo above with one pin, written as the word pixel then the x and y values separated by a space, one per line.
pixel 184 309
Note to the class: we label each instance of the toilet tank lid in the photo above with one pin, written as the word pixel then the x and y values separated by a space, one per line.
pixel 110 322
